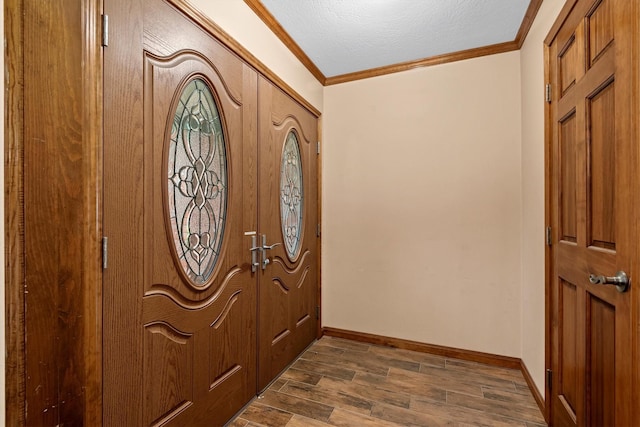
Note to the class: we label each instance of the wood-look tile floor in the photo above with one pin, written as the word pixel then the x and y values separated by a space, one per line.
pixel 338 382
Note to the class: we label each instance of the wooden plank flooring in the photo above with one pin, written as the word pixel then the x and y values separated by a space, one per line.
pixel 343 383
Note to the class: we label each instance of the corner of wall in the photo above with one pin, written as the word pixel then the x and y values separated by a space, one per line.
pixel 532 183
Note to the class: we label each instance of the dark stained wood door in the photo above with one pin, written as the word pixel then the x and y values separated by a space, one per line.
pixel 288 217
pixel 179 194
pixel 594 195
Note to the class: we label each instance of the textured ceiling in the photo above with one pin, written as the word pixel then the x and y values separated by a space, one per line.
pixel 346 36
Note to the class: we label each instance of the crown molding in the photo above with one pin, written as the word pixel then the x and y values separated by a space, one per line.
pixel 280 32
pixel 261 11
pixel 433 60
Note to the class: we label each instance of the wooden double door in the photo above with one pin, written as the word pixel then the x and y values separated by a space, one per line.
pixel 594 195
pixel 210 213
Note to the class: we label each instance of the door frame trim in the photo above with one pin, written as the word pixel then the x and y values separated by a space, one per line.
pixel 14 215
pixel 83 213
pixel 548 173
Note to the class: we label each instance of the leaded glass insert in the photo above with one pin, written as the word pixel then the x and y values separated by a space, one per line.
pixel 291 195
pixel 197 184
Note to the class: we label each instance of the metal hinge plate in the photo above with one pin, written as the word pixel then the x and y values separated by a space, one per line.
pixel 105 30
pixel 318 230
pixel 318 147
pixel 317 311
pixel 549 379
pixel 549 238
pixel 105 252
pixel 547 92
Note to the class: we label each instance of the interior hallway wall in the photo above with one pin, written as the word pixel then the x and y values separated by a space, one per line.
pixel 422 205
pixel 533 225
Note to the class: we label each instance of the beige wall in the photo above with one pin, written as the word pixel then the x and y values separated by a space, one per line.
pixel 422 205
pixel 532 66
pixel 239 21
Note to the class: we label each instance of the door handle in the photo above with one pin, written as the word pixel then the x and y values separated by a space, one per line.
pixel 254 249
pixel 265 248
pixel 620 281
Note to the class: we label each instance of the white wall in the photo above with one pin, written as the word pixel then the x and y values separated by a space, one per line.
pixel 532 66
pixel 422 205
pixel 239 21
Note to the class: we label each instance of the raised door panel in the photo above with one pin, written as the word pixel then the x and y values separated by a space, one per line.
pixel 288 218
pixel 601 151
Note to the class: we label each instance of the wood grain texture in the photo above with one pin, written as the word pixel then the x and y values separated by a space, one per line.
pixel 560 19
pixel 14 262
pixel 446 391
pixel 601 169
pixel 180 351
pixel 474 356
pixel 123 121
pixel 56 334
pixel 568 190
pixel 319 240
pixel 209 26
pixel 289 283
pixel 634 30
pixel 548 220
pixel 92 119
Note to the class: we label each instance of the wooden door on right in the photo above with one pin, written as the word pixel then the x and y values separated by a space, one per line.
pixel 594 169
pixel 287 224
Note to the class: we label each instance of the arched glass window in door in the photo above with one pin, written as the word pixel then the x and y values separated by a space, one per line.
pixel 291 195
pixel 197 181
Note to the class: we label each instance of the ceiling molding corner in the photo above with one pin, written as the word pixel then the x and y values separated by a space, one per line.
pixel 527 21
pixel 277 29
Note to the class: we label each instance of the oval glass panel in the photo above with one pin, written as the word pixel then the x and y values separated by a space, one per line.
pixel 291 195
pixel 197 184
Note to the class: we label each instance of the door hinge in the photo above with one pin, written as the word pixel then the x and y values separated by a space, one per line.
pixel 549 239
pixel 318 147
pixel 318 230
pixel 549 379
pixel 547 92
pixel 317 311
pixel 105 252
pixel 105 30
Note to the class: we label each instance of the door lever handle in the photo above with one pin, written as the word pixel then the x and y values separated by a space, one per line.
pixel 620 281
pixel 254 250
pixel 265 247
